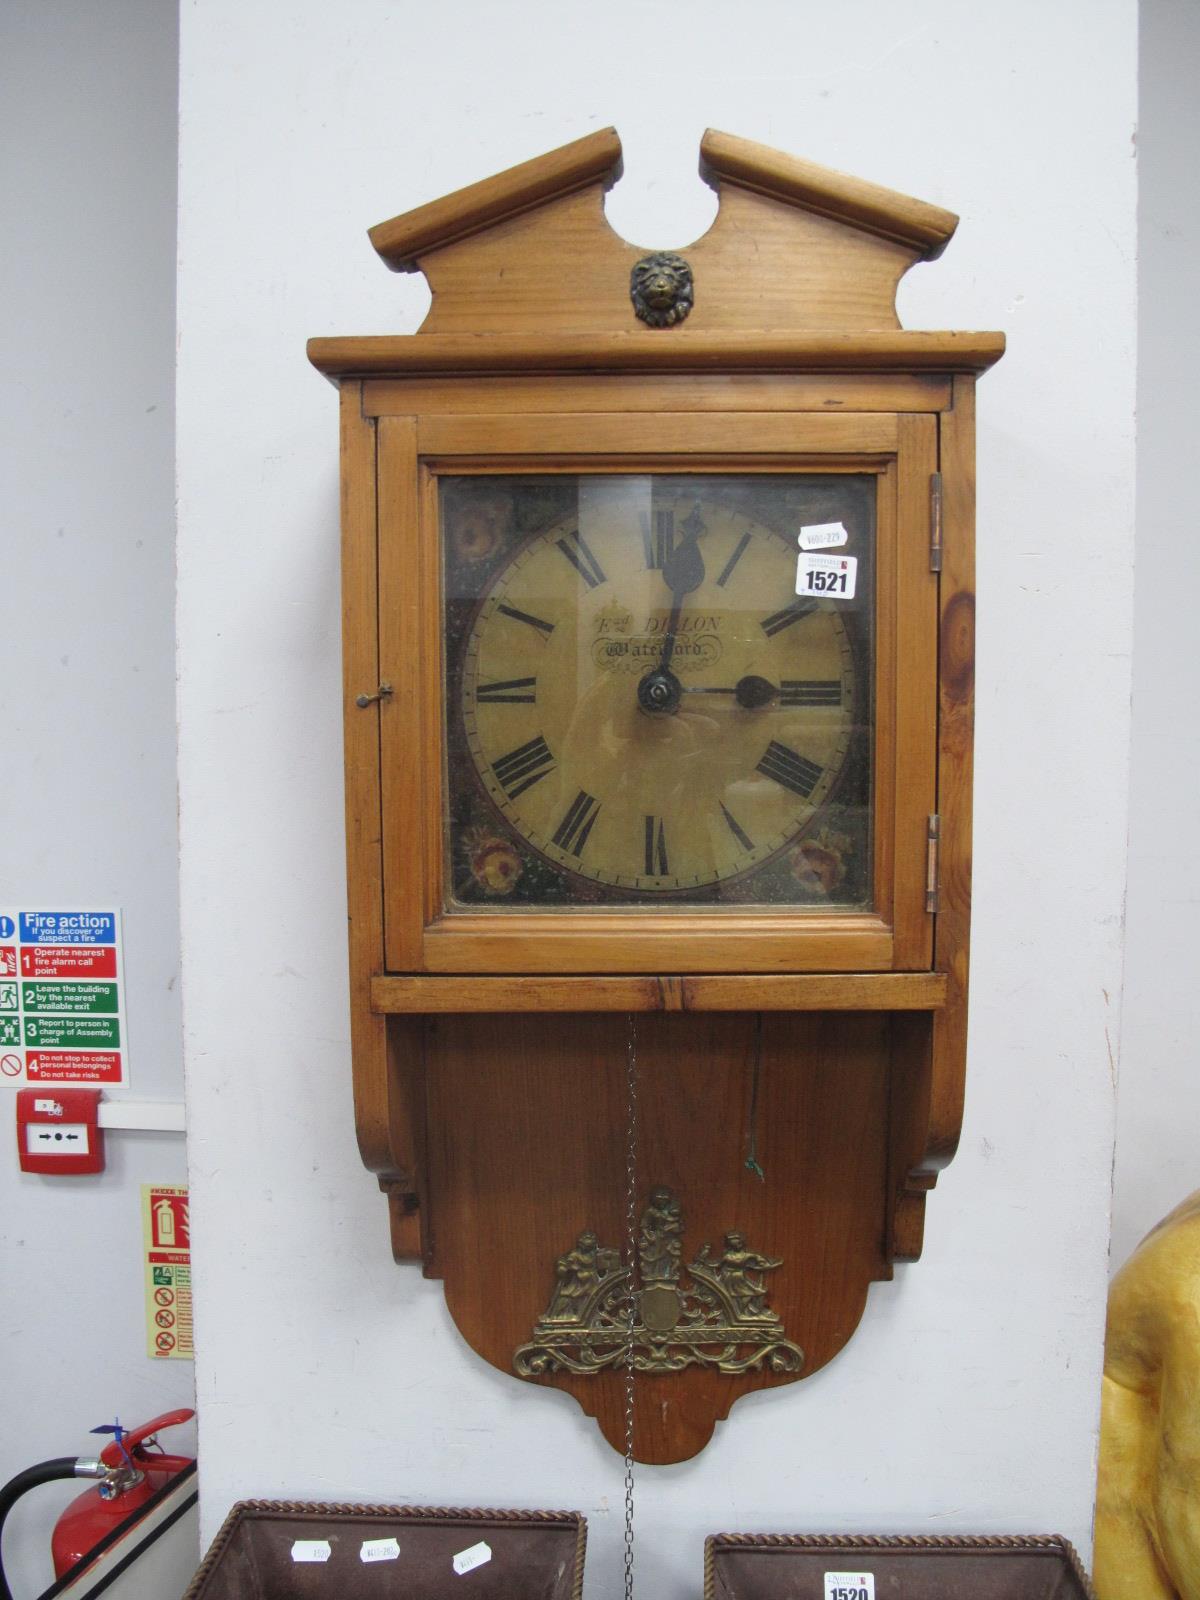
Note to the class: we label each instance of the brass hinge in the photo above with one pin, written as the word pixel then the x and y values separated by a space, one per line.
pixel 935 522
pixel 932 841
pixel 362 701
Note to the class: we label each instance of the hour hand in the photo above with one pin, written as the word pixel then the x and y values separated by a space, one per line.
pixel 683 570
pixel 751 692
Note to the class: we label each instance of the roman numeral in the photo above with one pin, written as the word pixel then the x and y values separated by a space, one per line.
pixel 574 828
pixel 523 616
pixel 735 828
pixel 794 772
pixel 514 692
pixel 521 768
pixel 575 548
pixel 656 848
pixel 799 607
pixel 810 692
pixel 659 543
pixel 737 555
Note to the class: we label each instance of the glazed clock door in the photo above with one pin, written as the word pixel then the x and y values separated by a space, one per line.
pixel 657 699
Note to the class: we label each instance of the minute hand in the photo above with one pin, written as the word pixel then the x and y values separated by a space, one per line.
pixel 751 692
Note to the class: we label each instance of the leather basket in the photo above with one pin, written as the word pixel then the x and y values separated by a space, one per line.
pixel 764 1566
pixel 535 1555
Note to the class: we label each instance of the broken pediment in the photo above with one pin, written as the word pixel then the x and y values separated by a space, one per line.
pixel 794 247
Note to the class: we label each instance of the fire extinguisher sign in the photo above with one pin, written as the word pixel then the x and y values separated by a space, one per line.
pixel 166 1235
pixel 62 997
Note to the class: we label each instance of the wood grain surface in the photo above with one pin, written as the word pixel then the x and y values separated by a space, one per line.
pixel 596 158
pixel 527 1148
pixel 724 157
pixel 826 991
pixel 829 249
pixel 682 349
pixel 580 395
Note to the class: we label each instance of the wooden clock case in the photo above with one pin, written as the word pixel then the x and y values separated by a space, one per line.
pixel 489 1053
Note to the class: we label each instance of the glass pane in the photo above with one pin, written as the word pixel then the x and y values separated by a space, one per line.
pixel 654 697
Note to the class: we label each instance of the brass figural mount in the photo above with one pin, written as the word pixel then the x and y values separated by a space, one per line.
pixel 715 1315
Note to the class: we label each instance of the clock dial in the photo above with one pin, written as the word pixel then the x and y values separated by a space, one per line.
pixel 650 709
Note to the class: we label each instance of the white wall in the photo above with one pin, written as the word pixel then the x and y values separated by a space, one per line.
pixel 87 175
pixel 1158 1155
pixel 968 1399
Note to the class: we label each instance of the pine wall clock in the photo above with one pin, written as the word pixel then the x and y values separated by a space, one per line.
pixel 658 589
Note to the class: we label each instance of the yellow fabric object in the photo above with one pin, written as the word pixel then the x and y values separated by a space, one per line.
pixel 1148 1493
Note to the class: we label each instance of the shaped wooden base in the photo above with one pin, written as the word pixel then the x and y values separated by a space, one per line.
pixel 524 1168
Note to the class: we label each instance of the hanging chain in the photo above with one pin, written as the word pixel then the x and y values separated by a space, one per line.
pixel 752 1162
pixel 631 1100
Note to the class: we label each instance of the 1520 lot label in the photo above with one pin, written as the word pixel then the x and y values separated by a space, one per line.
pixel 849 1586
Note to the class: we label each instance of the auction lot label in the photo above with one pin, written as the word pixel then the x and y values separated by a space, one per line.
pixel 62 997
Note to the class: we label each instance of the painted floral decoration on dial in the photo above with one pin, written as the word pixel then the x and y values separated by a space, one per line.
pixel 641 708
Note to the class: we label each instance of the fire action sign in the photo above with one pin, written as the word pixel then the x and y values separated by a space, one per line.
pixel 62 998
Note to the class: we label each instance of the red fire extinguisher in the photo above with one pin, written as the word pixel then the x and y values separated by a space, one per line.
pixel 135 1470
pixel 132 1469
